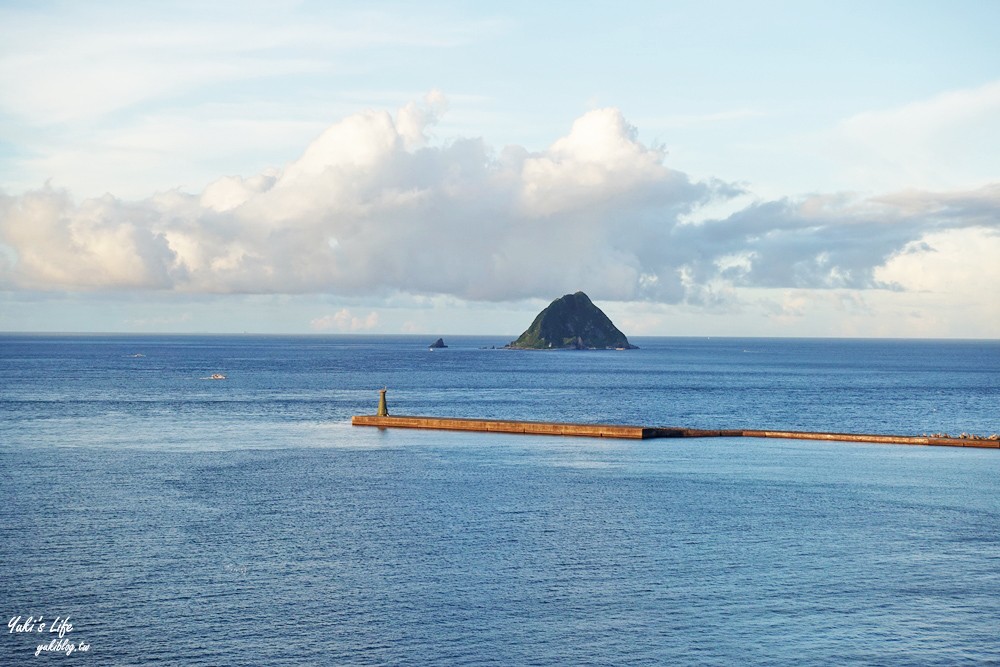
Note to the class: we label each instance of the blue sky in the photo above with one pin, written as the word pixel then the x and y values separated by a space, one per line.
pixel 725 168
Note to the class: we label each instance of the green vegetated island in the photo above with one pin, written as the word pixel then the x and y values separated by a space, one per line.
pixel 572 322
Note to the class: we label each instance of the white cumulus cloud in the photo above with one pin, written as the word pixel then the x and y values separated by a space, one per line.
pixel 373 207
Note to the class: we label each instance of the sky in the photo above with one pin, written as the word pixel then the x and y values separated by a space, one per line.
pixel 697 168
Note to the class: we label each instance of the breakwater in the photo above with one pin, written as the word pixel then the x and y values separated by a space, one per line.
pixel 648 432
pixel 509 426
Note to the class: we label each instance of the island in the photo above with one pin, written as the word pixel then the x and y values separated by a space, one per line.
pixel 572 322
pixel 438 344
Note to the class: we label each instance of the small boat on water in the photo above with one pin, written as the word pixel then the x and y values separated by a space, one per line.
pixel 215 376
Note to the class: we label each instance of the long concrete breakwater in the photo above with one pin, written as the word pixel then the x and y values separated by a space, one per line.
pixel 647 432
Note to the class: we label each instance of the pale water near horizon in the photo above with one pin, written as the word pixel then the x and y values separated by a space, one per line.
pixel 187 521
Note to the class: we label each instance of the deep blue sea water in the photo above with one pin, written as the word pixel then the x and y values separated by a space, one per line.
pixel 178 520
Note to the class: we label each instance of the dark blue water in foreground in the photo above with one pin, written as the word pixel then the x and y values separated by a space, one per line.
pixel 177 520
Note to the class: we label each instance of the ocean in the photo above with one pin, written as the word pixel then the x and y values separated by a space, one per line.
pixel 152 515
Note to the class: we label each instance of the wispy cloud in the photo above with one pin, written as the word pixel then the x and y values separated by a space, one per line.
pixel 344 320
pixel 949 139
pixel 51 71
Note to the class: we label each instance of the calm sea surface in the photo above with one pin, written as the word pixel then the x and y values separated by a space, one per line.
pixel 179 520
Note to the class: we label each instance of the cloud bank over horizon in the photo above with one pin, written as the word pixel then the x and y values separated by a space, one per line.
pixel 372 207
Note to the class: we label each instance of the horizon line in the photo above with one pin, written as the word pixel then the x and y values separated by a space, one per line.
pixel 364 334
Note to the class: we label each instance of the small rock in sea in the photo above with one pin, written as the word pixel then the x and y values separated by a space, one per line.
pixel 439 343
